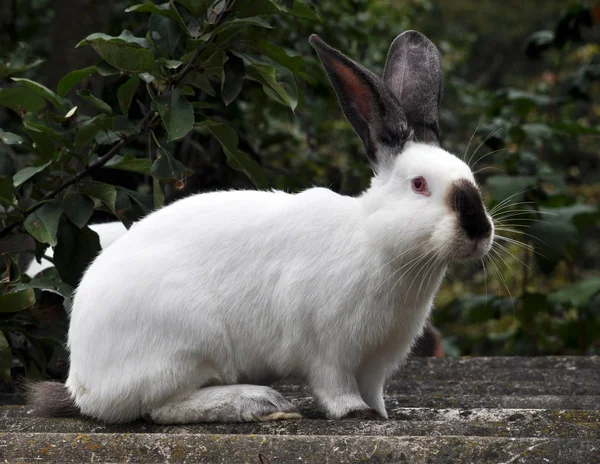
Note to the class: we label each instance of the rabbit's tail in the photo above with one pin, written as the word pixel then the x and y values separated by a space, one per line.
pixel 51 399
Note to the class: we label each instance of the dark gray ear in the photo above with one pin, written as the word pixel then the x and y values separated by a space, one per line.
pixel 413 72
pixel 369 105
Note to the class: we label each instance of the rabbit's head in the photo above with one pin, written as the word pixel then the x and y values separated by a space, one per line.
pixel 421 197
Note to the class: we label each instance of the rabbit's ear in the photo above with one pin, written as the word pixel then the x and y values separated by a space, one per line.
pixel 371 108
pixel 413 72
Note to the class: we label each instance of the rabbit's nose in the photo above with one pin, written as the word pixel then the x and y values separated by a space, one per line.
pixel 464 199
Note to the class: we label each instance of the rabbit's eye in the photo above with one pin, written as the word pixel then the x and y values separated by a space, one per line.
pixel 419 185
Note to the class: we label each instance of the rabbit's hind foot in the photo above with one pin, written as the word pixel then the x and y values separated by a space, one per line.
pixel 225 403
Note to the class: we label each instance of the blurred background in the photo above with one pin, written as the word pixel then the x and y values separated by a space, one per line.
pixel 521 104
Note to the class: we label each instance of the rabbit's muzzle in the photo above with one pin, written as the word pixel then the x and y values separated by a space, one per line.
pixel 464 198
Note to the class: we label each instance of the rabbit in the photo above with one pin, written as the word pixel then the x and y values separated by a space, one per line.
pixel 107 232
pixel 189 315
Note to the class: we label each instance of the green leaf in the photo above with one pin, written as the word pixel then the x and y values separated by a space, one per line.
pixel 21 98
pixel 169 64
pixel 7 192
pixel 107 138
pixel 266 75
pixel 123 126
pixel 5 359
pixel 89 129
pixel 79 209
pixel 228 28
pixel 42 224
pixel 28 172
pixel 213 60
pixel 233 75
pixel 539 42
pixel 125 52
pixel 7 69
pixel 75 250
pixel 265 7
pixel 43 144
pixel 167 168
pixel 17 301
pixel 555 237
pixel 574 128
pixel 293 62
pixel 71 112
pixel 158 194
pixel 45 124
pixel 177 114
pixel 130 163
pixel 10 139
pixel 286 80
pixel 105 69
pixel 501 186
pixel 200 81
pixel 165 33
pixel 44 92
pixel 103 193
pixel 48 280
pixel 143 201
pixel 164 9
pixel 578 294
pixel 126 37
pixel 68 81
pixel 196 7
pixel 237 159
pixel 96 102
pixel 9 269
pixel 126 92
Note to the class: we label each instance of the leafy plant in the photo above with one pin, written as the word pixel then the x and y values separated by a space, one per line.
pixel 539 176
pixel 177 80
pixel 193 95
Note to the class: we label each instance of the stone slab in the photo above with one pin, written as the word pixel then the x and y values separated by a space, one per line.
pixel 470 410
pixel 340 449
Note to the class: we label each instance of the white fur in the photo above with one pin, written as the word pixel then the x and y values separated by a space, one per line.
pixel 107 233
pixel 244 286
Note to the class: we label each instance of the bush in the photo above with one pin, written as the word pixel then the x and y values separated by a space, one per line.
pixel 203 94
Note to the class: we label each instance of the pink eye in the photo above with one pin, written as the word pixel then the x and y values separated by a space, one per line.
pixel 419 185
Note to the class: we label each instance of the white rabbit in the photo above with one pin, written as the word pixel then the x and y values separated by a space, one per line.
pixel 222 289
pixel 107 233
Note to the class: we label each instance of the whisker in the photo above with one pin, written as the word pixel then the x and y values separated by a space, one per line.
pixel 504 281
pixel 402 267
pixel 516 222
pixel 479 171
pixel 481 144
pixel 515 242
pixel 503 248
pixel 520 212
pixel 488 154
pixel 470 140
pixel 415 277
pixel 519 232
pixel 507 199
pixel 506 264
pixel 509 209
pixel 485 279
pixel 429 272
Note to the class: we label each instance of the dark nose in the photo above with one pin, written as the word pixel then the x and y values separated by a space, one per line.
pixel 464 198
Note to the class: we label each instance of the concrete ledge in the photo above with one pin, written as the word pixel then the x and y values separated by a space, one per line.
pixel 480 410
pixel 233 449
